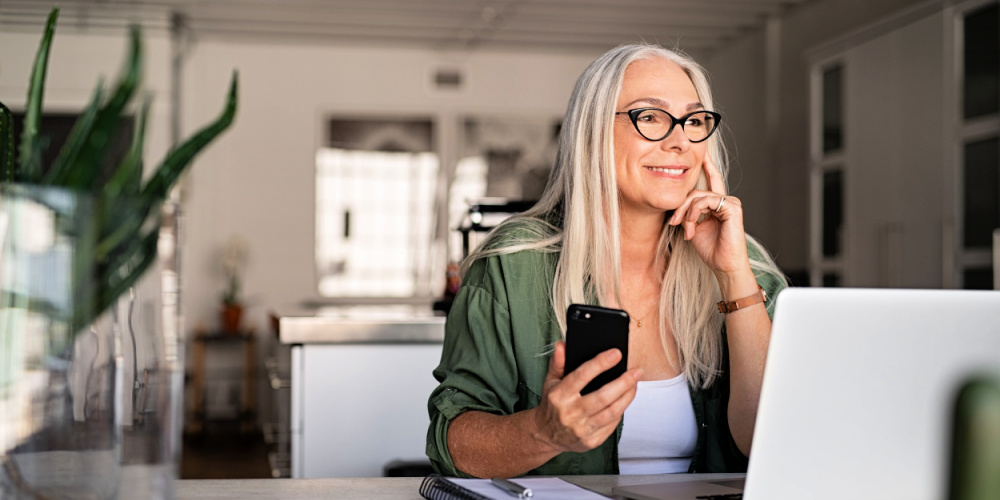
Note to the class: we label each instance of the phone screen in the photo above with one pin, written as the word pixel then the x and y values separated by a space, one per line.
pixel 591 330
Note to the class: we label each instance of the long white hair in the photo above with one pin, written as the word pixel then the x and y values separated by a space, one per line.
pixel 578 216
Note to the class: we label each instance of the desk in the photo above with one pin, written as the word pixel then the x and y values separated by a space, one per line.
pixel 382 488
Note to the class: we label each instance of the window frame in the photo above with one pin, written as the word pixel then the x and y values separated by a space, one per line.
pixel 822 163
pixel 957 258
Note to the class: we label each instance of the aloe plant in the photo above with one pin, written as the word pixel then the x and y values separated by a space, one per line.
pixel 126 213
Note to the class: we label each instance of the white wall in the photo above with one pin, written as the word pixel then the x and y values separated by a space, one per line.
pixel 894 163
pixel 257 180
pixel 785 166
pixel 738 80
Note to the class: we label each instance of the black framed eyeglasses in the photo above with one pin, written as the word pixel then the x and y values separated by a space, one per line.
pixel 655 124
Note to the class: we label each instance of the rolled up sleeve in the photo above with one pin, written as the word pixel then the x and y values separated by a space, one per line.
pixel 478 371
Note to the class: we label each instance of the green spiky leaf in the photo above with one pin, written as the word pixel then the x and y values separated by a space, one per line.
pixel 86 170
pixel 179 158
pixel 7 166
pixel 122 224
pixel 127 178
pixel 76 141
pixel 30 160
pixel 124 272
pixel 116 241
pixel 124 186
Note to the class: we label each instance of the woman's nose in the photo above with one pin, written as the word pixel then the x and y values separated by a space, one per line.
pixel 676 139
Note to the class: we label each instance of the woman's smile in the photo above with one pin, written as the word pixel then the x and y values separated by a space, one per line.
pixel 673 172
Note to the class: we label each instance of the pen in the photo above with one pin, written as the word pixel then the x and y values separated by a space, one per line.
pixel 512 488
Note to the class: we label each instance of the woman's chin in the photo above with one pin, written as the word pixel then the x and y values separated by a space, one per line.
pixel 669 206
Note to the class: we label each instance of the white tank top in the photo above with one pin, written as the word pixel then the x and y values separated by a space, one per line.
pixel 659 433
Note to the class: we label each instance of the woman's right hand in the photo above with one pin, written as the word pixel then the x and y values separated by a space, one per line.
pixel 568 421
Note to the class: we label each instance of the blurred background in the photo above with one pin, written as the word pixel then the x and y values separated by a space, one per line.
pixel 373 136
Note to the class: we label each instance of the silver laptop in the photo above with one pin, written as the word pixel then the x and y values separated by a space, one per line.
pixel 858 393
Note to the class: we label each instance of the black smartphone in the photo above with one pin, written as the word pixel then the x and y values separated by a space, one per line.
pixel 591 330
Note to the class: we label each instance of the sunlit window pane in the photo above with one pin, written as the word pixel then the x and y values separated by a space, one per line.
pixel 374 222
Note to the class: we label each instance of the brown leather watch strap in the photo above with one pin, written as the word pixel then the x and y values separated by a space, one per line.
pixel 736 305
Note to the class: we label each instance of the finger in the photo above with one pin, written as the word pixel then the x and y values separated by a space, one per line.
pixel 577 379
pixel 557 363
pixel 612 412
pixel 600 435
pixel 612 392
pixel 605 423
pixel 681 212
pixel 714 206
pixel 715 183
pixel 704 205
pixel 689 229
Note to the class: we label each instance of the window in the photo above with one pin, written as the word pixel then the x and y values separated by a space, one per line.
pixel 981 210
pixel 833 212
pixel 828 173
pixel 978 146
pixel 981 58
pixel 977 278
pixel 833 122
pixel 376 184
pixel 501 159
pixel 831 280
pixel 54 130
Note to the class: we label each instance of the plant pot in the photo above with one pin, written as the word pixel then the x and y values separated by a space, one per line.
pixel 60 434
pixel 91 411
pixel 230 318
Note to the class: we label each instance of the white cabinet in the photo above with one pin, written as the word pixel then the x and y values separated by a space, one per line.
pixel 361 377
pixel 356 407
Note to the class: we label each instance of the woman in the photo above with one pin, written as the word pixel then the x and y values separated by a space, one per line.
pixel 636 217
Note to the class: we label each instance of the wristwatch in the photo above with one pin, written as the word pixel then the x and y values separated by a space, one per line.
pixel 736 305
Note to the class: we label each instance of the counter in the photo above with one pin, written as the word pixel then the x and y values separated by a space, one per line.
pixel 361 324
pixel 360 378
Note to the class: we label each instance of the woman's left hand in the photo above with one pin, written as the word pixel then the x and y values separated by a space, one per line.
pixel 719 238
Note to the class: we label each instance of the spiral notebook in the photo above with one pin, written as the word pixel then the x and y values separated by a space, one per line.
pixel 435 487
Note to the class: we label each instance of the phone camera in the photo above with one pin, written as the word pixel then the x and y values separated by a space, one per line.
pixel 576 314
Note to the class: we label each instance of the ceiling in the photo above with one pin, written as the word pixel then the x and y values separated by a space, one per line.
pixel 696 26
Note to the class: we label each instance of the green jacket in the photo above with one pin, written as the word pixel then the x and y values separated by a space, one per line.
pixel 500 322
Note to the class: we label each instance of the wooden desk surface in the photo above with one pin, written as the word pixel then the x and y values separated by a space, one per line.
pixel 378 488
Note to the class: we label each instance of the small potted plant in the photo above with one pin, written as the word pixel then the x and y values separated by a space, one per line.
pixel 234 258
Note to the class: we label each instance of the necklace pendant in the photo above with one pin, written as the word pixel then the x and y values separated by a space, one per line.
pixel 638 323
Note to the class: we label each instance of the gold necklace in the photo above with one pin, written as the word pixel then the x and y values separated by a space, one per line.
pixel 638 321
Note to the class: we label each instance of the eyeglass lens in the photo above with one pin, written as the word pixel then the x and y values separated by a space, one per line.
pixel 654 124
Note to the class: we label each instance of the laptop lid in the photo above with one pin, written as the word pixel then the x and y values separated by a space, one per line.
pixel 859 387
